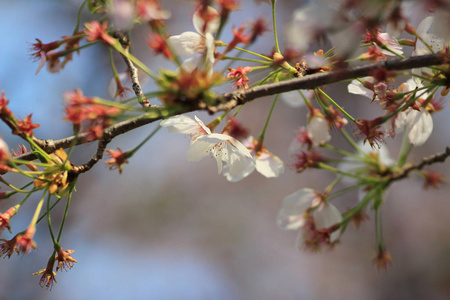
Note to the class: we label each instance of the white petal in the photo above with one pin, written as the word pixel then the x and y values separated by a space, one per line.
pixel 212 25
pixel 290 216
pixel 234 161
pixel 293 98
pixel 186 43
pixel 239 163
pixel 269 165
pixel 318 130
pixel 192 63
pixel 198 149
pixel 186 125
pixel 356 87
pixel 419 126
pixel 327 216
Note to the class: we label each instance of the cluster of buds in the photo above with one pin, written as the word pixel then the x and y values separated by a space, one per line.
pixel 87 114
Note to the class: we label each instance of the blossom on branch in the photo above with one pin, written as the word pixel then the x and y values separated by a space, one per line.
pixel 233 159
pixel 118 159
pixel 98 32
pixel 266 163
pixel 26 126
pixel 238 75
pixel 319 228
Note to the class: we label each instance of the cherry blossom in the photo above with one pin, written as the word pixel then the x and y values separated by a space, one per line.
pixel 266 163
pixel 189 43
pixel 294 213
pixel 355 166
pixel 318 130
pixel 418 124
pixel 233 159
pixel 186 125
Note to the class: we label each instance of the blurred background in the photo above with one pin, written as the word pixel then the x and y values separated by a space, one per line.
pixel 170 229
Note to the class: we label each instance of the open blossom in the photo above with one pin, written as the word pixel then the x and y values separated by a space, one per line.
pixel 118 159
pixel 26 126
pixel 266 163
pixel 295 214
pixel 417 123
pixel 240 80
pixel 48 278
pixel 189 43
pixel 64 258
pixel 150 10
pixel 356 166
pixel 186 125
pixel 96 31
pixel 233 159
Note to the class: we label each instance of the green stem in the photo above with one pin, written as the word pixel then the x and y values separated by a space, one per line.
pixel 252 53
pixel 49 221
pixel 118 47
pixel 350 140
pixel 337 106
pixel 366 180
pixel 38 211
pixel 275 26
pixel 132 152
pixel 263 132
pixel 378 227
pixel 69 197
pixel 77 26
pixel 404 151
pixel 246 59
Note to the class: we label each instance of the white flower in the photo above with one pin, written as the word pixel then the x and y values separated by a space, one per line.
pixel 353 165
pixel 185 125
pixel 418 125
pixel 357 88
pixel 189 43
pixel 435 42
pixel 293 207
pixel 318 130
pixel 266 163
pixel 233 159
pixel 292 213
pixel 391 43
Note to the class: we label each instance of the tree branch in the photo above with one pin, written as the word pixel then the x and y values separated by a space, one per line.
pixel 230 100
pixel 441 157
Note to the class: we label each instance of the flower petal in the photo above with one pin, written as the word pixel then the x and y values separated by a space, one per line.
pixel 290 215
pixel 327 216
pixel 318 130
pixel 212 26
pixel 186 43
pixel 186 125
pixel 269 165
pixel 419 126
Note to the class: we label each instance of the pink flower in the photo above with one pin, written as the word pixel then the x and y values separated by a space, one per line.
pixel 240 80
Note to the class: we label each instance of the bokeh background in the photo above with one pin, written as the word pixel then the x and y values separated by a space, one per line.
pixel 170 229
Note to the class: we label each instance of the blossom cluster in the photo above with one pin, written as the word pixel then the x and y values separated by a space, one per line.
pixel 379 36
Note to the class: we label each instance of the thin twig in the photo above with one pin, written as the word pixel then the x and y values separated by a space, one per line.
pixel 133 73
pixel 441 157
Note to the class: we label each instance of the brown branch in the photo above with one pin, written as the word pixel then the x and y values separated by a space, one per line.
pixel 133 72
pixel 441 157
pixel 229 100
pixel 316 80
